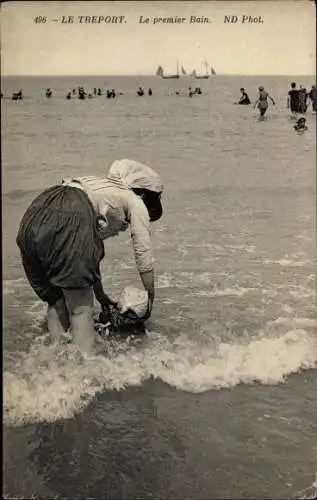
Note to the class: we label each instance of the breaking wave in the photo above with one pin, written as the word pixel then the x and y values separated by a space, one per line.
pixel 51 382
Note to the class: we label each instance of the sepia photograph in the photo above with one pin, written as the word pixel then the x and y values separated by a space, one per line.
pixel 159 249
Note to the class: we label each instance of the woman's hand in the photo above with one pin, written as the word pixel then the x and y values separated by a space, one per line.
pixel 147 279
pixel 101 296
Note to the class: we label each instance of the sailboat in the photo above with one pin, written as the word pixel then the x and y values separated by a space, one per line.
pixel 206 75
pixel 160 72
pixel 183 70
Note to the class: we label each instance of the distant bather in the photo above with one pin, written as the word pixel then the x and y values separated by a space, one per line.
pixel 244 99
pixel 17 96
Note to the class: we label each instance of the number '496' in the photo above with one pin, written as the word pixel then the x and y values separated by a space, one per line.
pixel 40 19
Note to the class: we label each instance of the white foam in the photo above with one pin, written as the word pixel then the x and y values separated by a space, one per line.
pixel 164 281
pixel 296 322
pixel 124 265
pixel 168 301
pixel 247 248
pixel 301 292
pixel 205 277
pixel 237 292
pixel 303 237
pixel 267 361
pixel 286 308
pixel 210 246
pixel 181 249
pixel 11 286
pixel 286 263
pixel 310 492
pixel 55 382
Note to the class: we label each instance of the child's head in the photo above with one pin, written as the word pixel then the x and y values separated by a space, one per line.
pixel 293 85
pixel 301 125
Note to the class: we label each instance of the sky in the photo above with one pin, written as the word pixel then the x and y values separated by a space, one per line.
pixel 276 37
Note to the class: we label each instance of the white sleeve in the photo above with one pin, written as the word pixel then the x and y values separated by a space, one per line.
pixel 141 236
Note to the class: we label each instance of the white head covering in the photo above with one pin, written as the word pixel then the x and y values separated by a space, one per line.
pixel 129 174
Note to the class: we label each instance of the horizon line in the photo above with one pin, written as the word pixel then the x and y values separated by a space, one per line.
pixel 148 74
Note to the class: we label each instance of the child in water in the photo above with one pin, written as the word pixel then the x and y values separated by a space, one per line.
pixel 301 125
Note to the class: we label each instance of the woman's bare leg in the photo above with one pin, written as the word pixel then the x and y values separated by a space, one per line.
pixel 80 304
pixel 57 319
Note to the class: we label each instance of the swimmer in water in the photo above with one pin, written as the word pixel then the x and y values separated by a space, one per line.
pixel 301 125
pixel 244 99
pixel 262 101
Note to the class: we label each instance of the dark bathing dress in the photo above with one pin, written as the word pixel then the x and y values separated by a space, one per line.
pixel 59 242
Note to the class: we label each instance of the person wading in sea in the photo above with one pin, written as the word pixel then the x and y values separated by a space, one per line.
pixel 60 240
pixel 313 97
pixel 293 99
pixel 262 101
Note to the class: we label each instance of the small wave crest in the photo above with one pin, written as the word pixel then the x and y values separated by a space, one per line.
pixel 11 286
pixel 237 292
pixel 53 382
pixel 310 492
pixel 286 262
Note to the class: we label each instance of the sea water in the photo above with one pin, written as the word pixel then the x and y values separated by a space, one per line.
pixel 219 401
